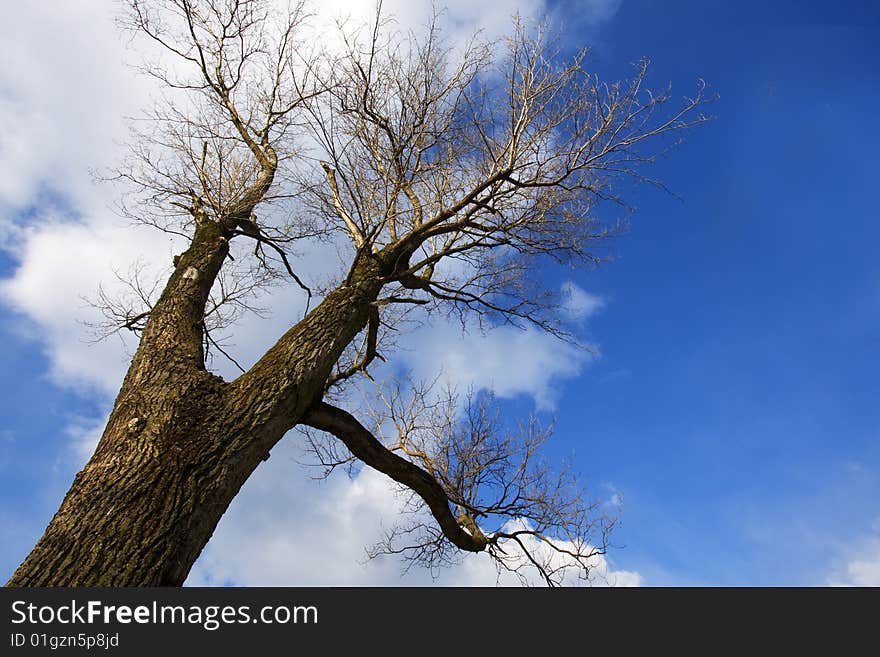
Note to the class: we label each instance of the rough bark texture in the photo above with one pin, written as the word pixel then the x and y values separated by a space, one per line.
pixel 362 444
pixel 180 442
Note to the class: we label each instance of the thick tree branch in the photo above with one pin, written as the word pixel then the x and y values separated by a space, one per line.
pixel 366 447
pixel 356 233
pixel 369 355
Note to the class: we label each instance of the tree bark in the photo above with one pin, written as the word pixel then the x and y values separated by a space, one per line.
pixel 180 442
pixel 362 444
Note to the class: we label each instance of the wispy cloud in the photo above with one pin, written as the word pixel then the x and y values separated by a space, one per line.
pixel 861 565
pixel 578 304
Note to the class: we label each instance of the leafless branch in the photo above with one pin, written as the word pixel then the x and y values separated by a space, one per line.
pixel 486 487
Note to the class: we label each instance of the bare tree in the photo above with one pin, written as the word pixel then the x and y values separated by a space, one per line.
pixel 447 174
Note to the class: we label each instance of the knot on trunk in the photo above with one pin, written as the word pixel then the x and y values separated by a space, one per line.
pixel 135 424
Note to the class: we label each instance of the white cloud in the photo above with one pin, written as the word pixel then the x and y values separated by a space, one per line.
pixel 864 572
pixel 85 432
pixel 461 18
pixel 61 265
pixel 600 574
pixel 63 94
pixel 862 567
pixel 284 529
pixel 579 305
pixel 508 360
pixel 65 91
pixel 597 11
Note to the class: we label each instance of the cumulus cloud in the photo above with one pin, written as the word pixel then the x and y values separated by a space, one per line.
pixel 61 264
pixel 63 96
pixel 510 361
pixel 284 529
pixel 461 18
pixel 66 91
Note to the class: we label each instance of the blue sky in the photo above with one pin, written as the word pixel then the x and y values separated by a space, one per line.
pixel 737 396
pixel 734 406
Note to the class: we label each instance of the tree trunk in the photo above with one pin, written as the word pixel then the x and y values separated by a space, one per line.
pixel 180 442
